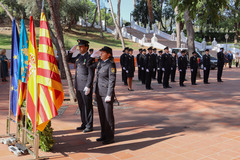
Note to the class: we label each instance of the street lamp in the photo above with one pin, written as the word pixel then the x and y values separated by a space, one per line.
pixel 226 37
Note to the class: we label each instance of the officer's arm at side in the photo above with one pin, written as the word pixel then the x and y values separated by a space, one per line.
pixel 112 79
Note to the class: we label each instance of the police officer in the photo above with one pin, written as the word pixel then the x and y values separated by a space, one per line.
pixel 104 89
pixel 220 64
pixel 123 62
pixel 142 65
pixel 174 66
pixel 206 66
pixel 138 63
pixel 83 84
pixel 159 67
pixel 194 67
pixel 166 67
pixel 182 67
pixel 149 68
pixel 154 54
pixel 130 69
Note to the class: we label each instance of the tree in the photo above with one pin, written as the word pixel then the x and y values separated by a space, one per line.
pixel 118 17
pixel 54 6
pixel 140 12
pixel 150 12
pixel 99 20
pixel 178 30
pixel 117 27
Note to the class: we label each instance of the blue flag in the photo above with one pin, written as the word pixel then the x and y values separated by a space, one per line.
pixel 14 68
pixel 23 54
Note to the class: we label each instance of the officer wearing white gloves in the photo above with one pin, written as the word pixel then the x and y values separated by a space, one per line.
pixel 182 67
pixel 206 66
pixel 194 67
pixel 83 84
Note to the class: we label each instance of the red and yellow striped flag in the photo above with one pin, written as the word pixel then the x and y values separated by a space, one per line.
pixel 50 87
pixel 32 74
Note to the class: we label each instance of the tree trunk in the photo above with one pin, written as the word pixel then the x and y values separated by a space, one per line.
pixel 118 18
pixel 9 15
pixel 150 12
pixel 94 18
pixel 134 4
pixel 117 27
pixel 178 30
pixel 190 33
pixel 55 42
pixel 55 13
pixel 99 18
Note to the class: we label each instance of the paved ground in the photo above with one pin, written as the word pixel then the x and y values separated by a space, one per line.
pixel 195 122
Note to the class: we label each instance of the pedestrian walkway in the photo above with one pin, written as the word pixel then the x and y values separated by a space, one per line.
pixel 195 122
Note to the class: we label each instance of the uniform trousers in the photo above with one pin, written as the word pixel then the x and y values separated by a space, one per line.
pixel 160 74
pixel 206 74
pixel 194 76
pixel 182 77
pixel 148 79
pixel 219 74
pixel 173 73
pixel 166 78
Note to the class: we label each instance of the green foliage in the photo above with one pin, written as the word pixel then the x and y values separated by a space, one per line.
pixel 140 12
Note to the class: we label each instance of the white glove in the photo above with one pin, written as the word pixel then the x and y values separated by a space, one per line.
pixel 158 68
pixel 163 69
pixel 86 90
pixel 147 70
pixel 171 68
pixel 126 71
pixel 73 49
pixel 142 68
pixel 124 68
pixel 205 68
pixel 95 54
pixel 108 99
pixel 180 70
pixel 153 69
pixel 191 70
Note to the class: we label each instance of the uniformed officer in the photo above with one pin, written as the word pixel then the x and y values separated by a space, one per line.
pixel 138 63
pixel 142 65
pixel 166 67
pixel 154 54
pixel 91 51
pixel 149 68
pixel 182 67
pixel 194 67
pixel 206 66
pixel 220 64
pixel 159 67
pixel 83 84
pixel 123 59
pixel 174 66
pixel 104 89
pixel 130 69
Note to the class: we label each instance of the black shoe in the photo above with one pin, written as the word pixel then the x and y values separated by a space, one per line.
pixel 130 89
pixel 169 87
pixel 185 80
pixel 149 88
pixel 100 139
pixel 159 82
pixel 80 128
pixel 108 141
pixel 206 83
pixel 164 87
pixel 87 130
pixel 125 84
pixel 182 85
pixel 194 84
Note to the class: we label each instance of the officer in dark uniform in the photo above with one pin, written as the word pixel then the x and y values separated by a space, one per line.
pixel 130 69
pixel 123 62
pixel 220 64
pixel 166 67
pixel 194 67
pixel 154 54
pixel 159 67
pixel 182 67
pixel 83 84
pixel 174 66
pixel 149 68
pixel 104 89
pixel 206 66
pixel 138 63
pixel 142 65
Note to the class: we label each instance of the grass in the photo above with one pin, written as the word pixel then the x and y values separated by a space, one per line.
pixel 70 39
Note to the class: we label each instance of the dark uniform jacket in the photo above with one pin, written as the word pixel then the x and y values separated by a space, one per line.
pixel 142 63
pixel 130 65
pixel 123 60
pixel 220 57
pixel 182 63
pixel 193 62
pixel 138 59
pixel 159 62
pixel 174 61
pixel 83 75
pixel 206 61
pixel 154 55
pixel 105 78
pixel 167 61
pixel 148 62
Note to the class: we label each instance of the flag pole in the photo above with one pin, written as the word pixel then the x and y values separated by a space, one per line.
pixel 9 109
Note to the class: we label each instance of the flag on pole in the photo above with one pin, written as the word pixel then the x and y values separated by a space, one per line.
pixel 32 90
pixel 14 68
pixel 22 67
pixel 50 87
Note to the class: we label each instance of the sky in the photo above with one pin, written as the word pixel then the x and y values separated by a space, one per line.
pixel 126 8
